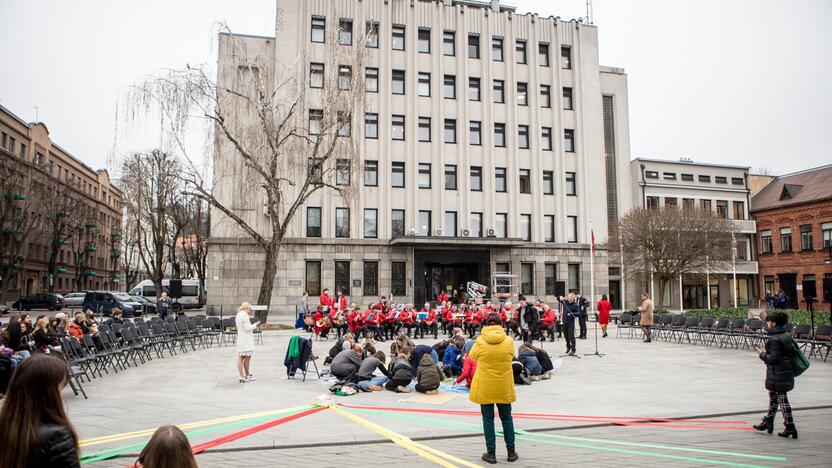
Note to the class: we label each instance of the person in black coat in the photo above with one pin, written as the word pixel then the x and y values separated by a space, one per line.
pixel 779 374
pixel 36 430
pixel 571 310
pixel 582 304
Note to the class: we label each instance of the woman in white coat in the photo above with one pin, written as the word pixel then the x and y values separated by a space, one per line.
pixel 245 342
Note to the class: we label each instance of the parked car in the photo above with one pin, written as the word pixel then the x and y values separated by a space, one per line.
pixel 47 301
pixel 74 299
pixel 104 301
pixel 148 306
pixel 3 309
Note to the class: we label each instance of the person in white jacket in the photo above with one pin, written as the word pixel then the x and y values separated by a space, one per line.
pixel 245 342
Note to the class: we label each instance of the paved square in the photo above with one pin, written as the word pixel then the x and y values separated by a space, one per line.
pixel 633 379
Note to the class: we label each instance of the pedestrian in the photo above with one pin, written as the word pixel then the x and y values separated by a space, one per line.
pixel 303 311
pixel 604 307
pixel 36 430
pixel 163 305
pixel 245 342
pixel 582 305
pixel 493 384
pixel 646 320
pixel 571 310
pixel 780 300
pixel 779 374
pixel 168 448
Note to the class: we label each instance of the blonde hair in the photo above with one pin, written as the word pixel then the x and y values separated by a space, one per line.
pixel 571 297
pixel 244 306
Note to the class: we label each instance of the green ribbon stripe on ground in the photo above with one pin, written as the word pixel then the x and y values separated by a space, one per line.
pixel 541 437
pixel 116 451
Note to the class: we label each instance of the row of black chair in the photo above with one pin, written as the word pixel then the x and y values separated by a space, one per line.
pixel 726 332
pixel 118 346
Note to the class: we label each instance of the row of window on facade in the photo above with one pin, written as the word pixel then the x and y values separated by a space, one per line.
pixel 450 226
pixel 449 127
pixel 704 178
pixel 806 238
pixel 9 143
pixel 398 284
pixel 738 207
pixel 449 87
pixel 398 41
pixel 343 171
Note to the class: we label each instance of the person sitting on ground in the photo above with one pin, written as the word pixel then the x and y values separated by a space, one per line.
pixel 366 380
pixel 346 363
pixel 469 368
pixel 401 373
pixel 452 360
pixel 36 430
pixel 529 358
pixel 419 351
pixel 440 348
pixel 168 448
pixel 117 316
pixel 367 351
pixel 545 361
pixel 428 376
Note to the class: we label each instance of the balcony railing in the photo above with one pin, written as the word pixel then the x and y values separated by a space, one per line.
pixel 746 226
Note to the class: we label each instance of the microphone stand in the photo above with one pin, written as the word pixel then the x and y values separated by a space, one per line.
pixel 596 353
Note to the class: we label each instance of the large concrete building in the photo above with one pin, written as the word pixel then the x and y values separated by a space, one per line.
pixel 721 188
pixel 794 232
pixel 52 179
pixel 488 142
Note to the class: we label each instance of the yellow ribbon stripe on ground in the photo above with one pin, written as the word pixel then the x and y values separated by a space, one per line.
pixel 192 425
pixel 423 451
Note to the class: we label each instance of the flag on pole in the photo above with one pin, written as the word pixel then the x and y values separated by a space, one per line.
pixel 593 240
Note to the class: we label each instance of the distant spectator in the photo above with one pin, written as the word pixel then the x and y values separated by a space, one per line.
pixel 13 337
pixel 43 338
pixel 36 430
pixel 78 327
pixel 163 305
pixel 117 316
pixel 61 325
pixel 168 448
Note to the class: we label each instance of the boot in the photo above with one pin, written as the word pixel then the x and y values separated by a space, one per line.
pixel 767 424
pixel 790 431
pixel 489 457
pixel 512 456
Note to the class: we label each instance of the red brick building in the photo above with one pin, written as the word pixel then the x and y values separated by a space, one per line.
pixel 794 234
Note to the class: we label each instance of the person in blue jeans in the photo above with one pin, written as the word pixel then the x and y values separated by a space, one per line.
pixel 366 380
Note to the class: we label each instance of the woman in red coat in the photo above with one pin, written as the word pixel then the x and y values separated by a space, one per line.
pixel 604 307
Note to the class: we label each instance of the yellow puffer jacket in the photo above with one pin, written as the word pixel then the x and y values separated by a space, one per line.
pixel 494 379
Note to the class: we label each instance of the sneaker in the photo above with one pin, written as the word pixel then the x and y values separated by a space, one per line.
pixel 375 388
pixel 535 378
pixel 431 392
pixel 489 458
pixel 512 456
pixel 546 375
pixel 250 378
pixel 403 389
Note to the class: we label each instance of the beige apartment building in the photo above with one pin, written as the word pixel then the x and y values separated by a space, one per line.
pixel 723 189
pixel 89 259
pixel 488 141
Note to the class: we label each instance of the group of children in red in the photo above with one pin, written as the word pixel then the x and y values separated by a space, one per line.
pixel 384 321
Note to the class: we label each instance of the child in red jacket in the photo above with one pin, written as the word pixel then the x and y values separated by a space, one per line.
pixel 469 367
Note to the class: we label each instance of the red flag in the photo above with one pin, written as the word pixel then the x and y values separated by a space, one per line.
pixel 593 240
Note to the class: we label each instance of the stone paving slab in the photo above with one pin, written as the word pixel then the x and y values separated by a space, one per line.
pixel 634 379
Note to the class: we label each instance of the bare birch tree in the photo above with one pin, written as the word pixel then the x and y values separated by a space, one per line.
pixel 672 241
pixel 264 126
pixel 151 184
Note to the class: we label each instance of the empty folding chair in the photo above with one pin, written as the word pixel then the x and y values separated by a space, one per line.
pixel 706 329
pixel 802 334
pixel 719 330
pixel 229 329
pixel 624 322
pixel 258 332
pixel 210 332
pixel 735 333
pixel 821 341
pixel 162 338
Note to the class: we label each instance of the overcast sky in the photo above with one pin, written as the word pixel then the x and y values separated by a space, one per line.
pixel 742 82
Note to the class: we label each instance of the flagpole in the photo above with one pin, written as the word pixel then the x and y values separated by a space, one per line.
pixel 592 268
pixel 623 293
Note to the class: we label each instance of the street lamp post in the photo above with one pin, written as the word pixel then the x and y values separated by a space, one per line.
pixel 734 265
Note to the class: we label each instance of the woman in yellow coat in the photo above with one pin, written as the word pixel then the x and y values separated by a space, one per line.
pixel 493 384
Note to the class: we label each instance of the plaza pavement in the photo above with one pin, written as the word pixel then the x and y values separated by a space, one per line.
pixel 634 379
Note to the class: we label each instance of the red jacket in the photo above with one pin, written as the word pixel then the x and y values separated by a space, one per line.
pixel 477 317
pixel 548 319
pixel 407 317
pixel 326 301
pixel 604 308
pixel 469 367
pixel 355 320
pixel 443 296
pixel 376 318
pixel 318 316
pixel 431 318
pixel 393 316
pixel 341 304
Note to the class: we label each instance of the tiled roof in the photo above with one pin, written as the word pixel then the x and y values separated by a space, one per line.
pixel 807 186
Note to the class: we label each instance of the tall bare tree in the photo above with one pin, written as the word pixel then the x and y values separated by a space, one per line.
pixel 129 254
pixel 21 193
pixel 264 130
pixel 151 184
pixel 670 242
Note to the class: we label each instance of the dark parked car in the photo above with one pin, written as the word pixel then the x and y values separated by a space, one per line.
pixel 102 302
pixel 40 301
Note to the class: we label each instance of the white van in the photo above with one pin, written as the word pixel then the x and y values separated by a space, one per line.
pixel 192 296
